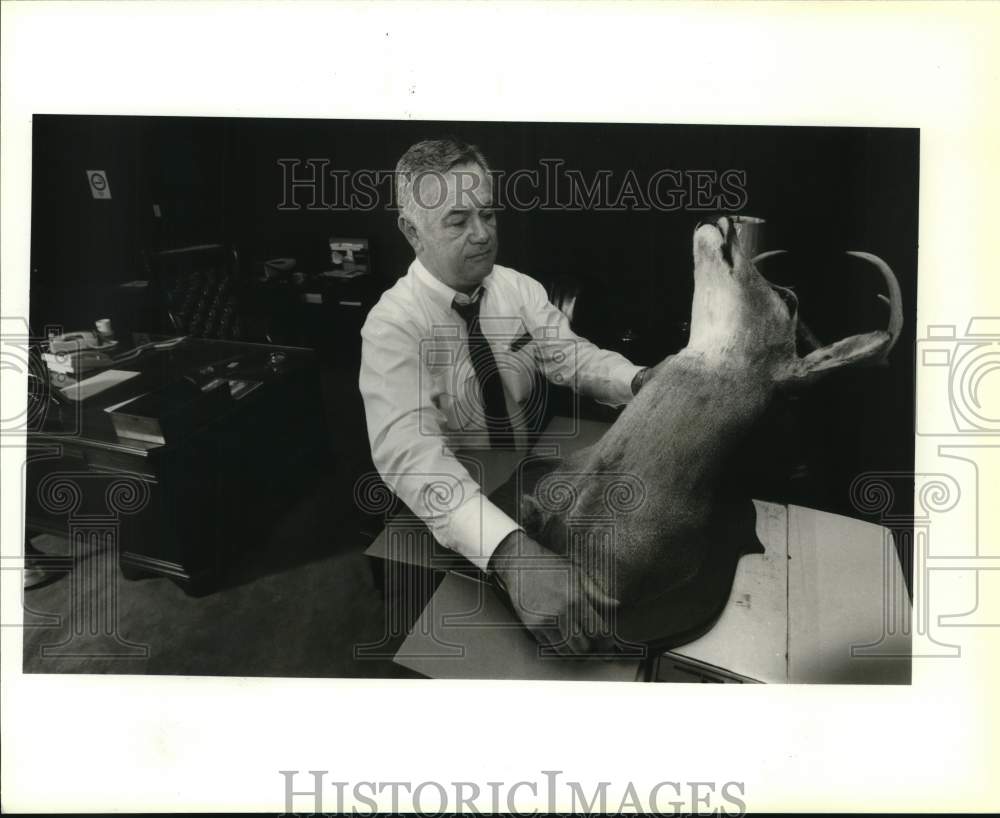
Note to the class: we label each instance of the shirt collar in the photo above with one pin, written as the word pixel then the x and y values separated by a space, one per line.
pixel 440 292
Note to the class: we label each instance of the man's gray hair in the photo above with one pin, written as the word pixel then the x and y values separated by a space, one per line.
pixel 431 156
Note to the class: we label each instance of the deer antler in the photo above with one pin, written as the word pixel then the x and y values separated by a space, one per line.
pixel 768 254
pixel 894 299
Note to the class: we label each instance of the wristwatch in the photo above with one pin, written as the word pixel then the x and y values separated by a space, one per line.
pixel 639 380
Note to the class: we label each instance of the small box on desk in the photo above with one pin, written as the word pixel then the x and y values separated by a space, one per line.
pixel 170 412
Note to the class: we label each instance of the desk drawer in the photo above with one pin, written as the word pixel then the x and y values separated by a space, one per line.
pixel 108 460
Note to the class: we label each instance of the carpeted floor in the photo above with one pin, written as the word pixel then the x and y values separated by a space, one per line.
pixel 294 609
pixel 298 603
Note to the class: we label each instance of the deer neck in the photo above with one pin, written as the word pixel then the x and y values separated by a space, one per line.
pixel 735 325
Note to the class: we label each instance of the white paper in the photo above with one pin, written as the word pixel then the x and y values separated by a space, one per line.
pixel 96 384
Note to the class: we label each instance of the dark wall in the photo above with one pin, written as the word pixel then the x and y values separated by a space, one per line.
pixel 826 189
pixel 823 191
pixel 80 244
pixel 82 248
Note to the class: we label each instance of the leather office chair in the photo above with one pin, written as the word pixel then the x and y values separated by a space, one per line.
pixel 205 295
pixel 563 292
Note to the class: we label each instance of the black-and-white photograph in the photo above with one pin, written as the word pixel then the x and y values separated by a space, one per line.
pixel 470 400
pixel 476 407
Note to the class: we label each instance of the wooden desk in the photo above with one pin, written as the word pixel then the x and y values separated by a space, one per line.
pixel 180 509
pixel 813 608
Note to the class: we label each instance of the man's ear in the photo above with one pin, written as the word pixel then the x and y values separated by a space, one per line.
pixel 409 230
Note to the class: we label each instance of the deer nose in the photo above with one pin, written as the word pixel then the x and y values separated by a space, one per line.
pixel 717 222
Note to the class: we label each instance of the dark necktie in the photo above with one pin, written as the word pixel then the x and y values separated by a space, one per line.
pixel 487 374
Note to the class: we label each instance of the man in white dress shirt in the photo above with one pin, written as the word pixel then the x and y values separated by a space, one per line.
pixel 448 358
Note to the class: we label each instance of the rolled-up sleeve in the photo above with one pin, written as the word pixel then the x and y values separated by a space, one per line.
pixel 409 448
pixel 567 359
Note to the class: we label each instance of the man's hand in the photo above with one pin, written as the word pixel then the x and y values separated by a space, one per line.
pixel 555 600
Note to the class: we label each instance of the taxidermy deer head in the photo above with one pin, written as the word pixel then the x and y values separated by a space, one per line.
pixel 644 510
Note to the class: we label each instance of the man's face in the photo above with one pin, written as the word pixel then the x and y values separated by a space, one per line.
pixel 455 230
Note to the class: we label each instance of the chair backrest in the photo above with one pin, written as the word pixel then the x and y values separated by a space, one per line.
pixel 202 288
pixel 563 292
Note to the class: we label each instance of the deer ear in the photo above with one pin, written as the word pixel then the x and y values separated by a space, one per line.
pixel 870 347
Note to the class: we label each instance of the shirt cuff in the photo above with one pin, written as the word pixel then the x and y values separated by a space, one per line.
pixel 620 384
pixel 476 528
